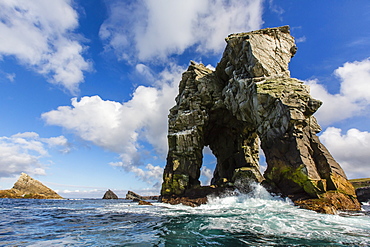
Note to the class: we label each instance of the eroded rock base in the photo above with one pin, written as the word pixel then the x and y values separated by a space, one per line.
pixel 197 196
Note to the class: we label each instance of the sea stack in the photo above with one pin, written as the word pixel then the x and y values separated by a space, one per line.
pixel 27 187
pixel 250 101
pixel 136 197
pixel 110 195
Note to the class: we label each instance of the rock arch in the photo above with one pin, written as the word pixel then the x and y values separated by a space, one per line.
pixel 250 97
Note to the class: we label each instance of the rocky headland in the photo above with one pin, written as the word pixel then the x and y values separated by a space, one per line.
pixel 362 186
pixel 250 101
pixel 27 187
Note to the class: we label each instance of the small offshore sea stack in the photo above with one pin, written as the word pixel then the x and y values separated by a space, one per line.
pixel 136 197
pixel 110 195
pixel 251 101
pixel 27 187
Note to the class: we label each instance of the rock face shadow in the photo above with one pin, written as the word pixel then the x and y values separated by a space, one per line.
pixel 247 102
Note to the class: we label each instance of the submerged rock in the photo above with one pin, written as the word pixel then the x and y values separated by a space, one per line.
pixel 251 101
pixel 27 187
pixel 110 195
pixel 142 202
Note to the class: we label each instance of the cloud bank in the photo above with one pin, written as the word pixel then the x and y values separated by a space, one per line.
pixel 351 150
pixel 22 153
pixel 122 127
pixel 353 97
pixel 39 34
pixel 155 29
pixel 142 31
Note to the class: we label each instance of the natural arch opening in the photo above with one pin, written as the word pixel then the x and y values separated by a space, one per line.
pixel 208 167
pixel 262 161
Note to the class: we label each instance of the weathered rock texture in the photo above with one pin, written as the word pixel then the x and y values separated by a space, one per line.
pixel 251 101
pixel 27 187
pixel 110 195
pixel 363 194
pixel 136 197
pixel 362 186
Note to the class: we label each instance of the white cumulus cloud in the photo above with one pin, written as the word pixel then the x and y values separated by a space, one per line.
pixel 121 127
pixel 355 79
pixel 151 174
pixel 155 29
pixel 351 150
pixel 354 95
pixel 39 34
pixel 146 31
pixel 22 153
pixel 206 175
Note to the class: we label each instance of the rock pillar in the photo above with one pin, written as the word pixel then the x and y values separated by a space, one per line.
pixel 250 98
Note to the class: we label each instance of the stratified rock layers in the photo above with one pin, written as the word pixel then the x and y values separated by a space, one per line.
pixel 251 101
pixel 27 187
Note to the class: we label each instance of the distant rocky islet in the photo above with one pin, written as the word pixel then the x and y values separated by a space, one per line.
pixel 110 195
pixel 29 188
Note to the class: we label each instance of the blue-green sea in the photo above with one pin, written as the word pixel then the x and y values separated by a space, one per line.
pixel 256 219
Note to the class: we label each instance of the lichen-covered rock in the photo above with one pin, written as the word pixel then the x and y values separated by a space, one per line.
pixel 27 187
pixel 110 195
pixel 250 100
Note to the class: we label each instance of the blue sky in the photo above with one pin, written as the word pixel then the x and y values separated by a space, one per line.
pixel 85 86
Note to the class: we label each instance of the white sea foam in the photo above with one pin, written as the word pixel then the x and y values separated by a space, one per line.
pixel 263 214
pixel 255 219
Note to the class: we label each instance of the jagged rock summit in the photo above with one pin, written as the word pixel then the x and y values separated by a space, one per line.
pixel 248 102
pixel 27 187
pixel 110 195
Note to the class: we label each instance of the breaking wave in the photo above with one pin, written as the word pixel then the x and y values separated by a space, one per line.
pixel 257 219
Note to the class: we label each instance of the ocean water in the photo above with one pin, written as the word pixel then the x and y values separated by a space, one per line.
pixel 256 219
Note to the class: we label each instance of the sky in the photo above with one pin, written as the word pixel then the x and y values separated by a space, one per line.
pixel 86 86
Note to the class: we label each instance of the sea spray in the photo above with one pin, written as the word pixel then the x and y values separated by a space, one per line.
pixel 256 218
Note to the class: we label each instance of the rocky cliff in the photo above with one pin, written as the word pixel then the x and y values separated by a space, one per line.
pixel 362 186
pixel 248 102
pixel 27 187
